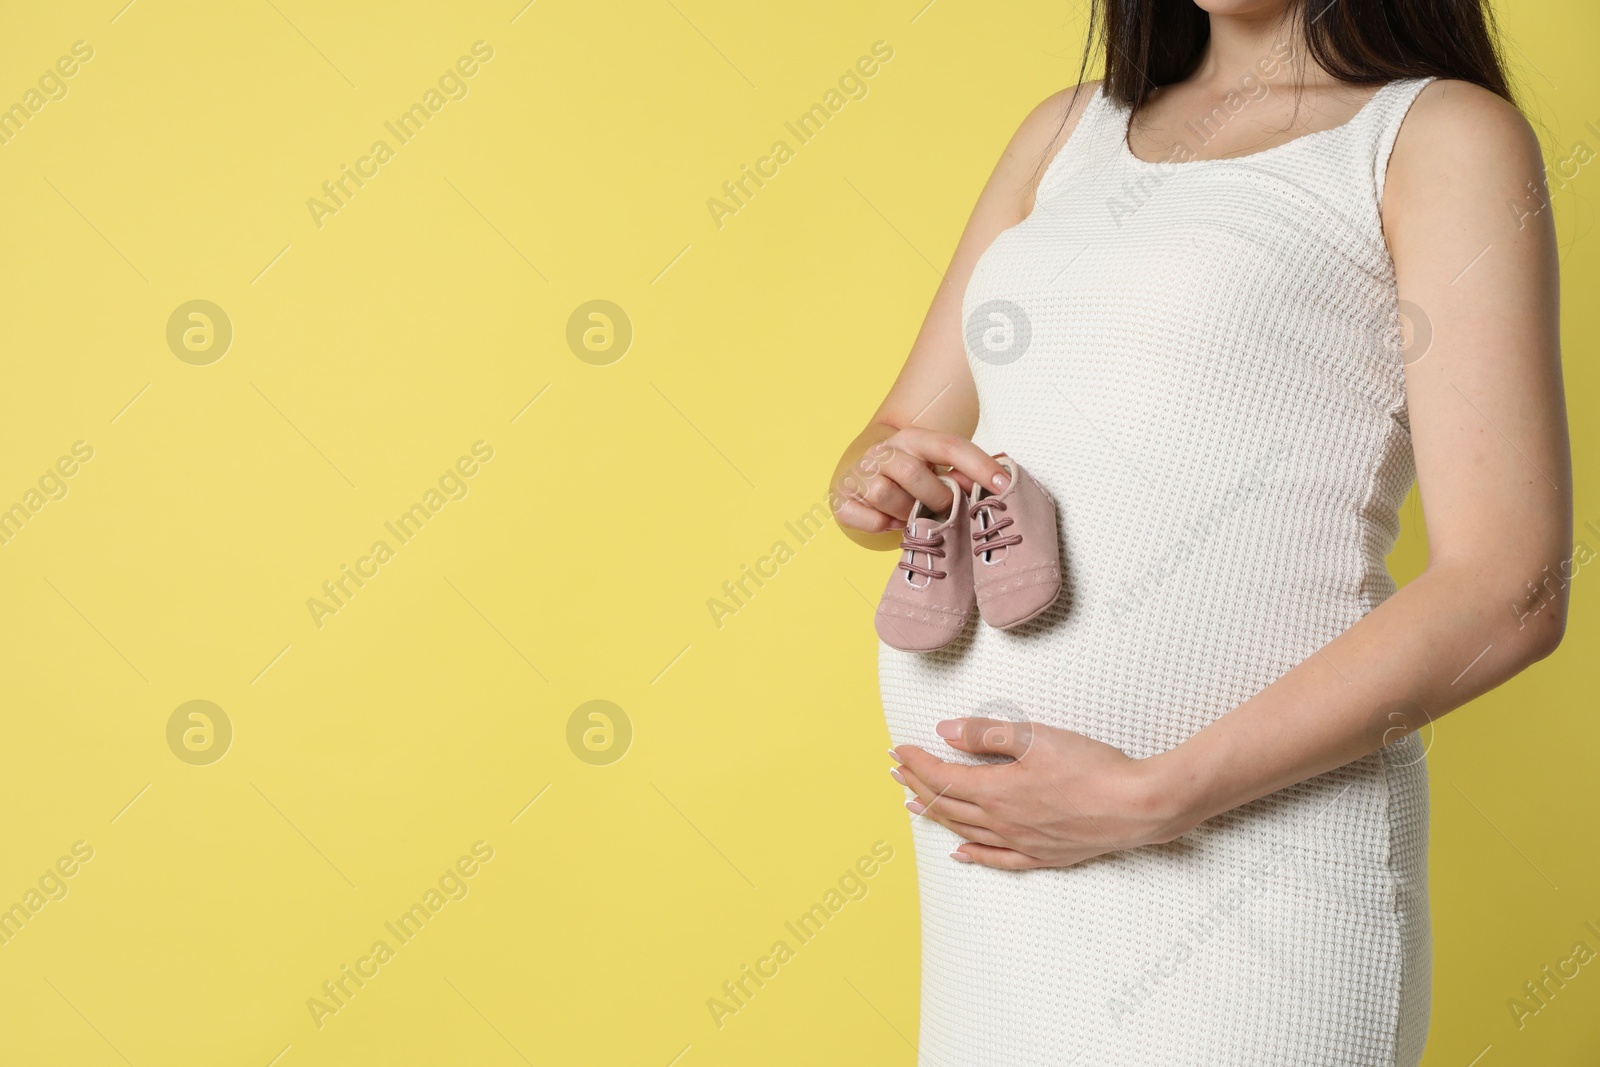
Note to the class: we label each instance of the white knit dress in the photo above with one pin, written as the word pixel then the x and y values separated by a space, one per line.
pixel 1210 385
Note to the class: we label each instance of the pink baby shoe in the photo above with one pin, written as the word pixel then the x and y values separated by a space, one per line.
pixel 1016 570
pixel 929 595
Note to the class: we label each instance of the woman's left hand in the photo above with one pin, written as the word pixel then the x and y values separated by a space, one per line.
pixel 1064 799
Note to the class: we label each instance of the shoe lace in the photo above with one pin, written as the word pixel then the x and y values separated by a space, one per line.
pixel 986 527
pixel 930 545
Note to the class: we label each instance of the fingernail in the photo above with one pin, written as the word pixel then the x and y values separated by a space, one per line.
pixel 915 807
pixel 1000 482
pixel 894 772
pixel 949 729
pixel 895 756
pixel 961 857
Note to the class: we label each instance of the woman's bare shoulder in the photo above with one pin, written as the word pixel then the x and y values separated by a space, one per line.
pixel 1461 136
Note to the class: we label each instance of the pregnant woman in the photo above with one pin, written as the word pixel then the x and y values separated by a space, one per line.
pixel 1223 307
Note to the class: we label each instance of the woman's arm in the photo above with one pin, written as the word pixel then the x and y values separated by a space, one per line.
pixel 931 410
pixel 1468 223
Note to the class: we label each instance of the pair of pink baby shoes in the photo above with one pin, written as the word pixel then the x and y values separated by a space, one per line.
pixel 999 550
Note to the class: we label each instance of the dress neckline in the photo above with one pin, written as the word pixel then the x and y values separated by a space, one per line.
pixel 1128 153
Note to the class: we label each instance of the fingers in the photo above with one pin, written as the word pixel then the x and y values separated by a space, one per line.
pixel 863 499
pixel 907 476
pixel 946 812
pixel 999 736
pixel 1004 858
pixel 940 807
pixel 914 475
pixel 886 495
pixel 864 517
pixel 1010 859
pixel 953 451
pixel 952 780
pixel 966 830
pixel 901 481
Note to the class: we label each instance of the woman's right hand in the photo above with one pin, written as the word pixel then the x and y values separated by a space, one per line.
pixel 875 493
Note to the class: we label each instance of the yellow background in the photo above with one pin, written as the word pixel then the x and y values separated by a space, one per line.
pixel 368 354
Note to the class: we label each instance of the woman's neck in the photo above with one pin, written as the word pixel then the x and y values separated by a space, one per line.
pixel 1240 43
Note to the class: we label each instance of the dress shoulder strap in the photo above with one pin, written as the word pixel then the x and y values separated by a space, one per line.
pixel 1381 121
pixel 1085 147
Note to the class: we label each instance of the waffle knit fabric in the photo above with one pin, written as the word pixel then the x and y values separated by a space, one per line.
pixel 1212 389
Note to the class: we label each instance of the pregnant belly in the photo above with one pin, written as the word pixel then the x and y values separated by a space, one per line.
pixel 1139 674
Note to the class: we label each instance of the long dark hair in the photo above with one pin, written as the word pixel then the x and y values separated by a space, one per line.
pixel 1150 43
